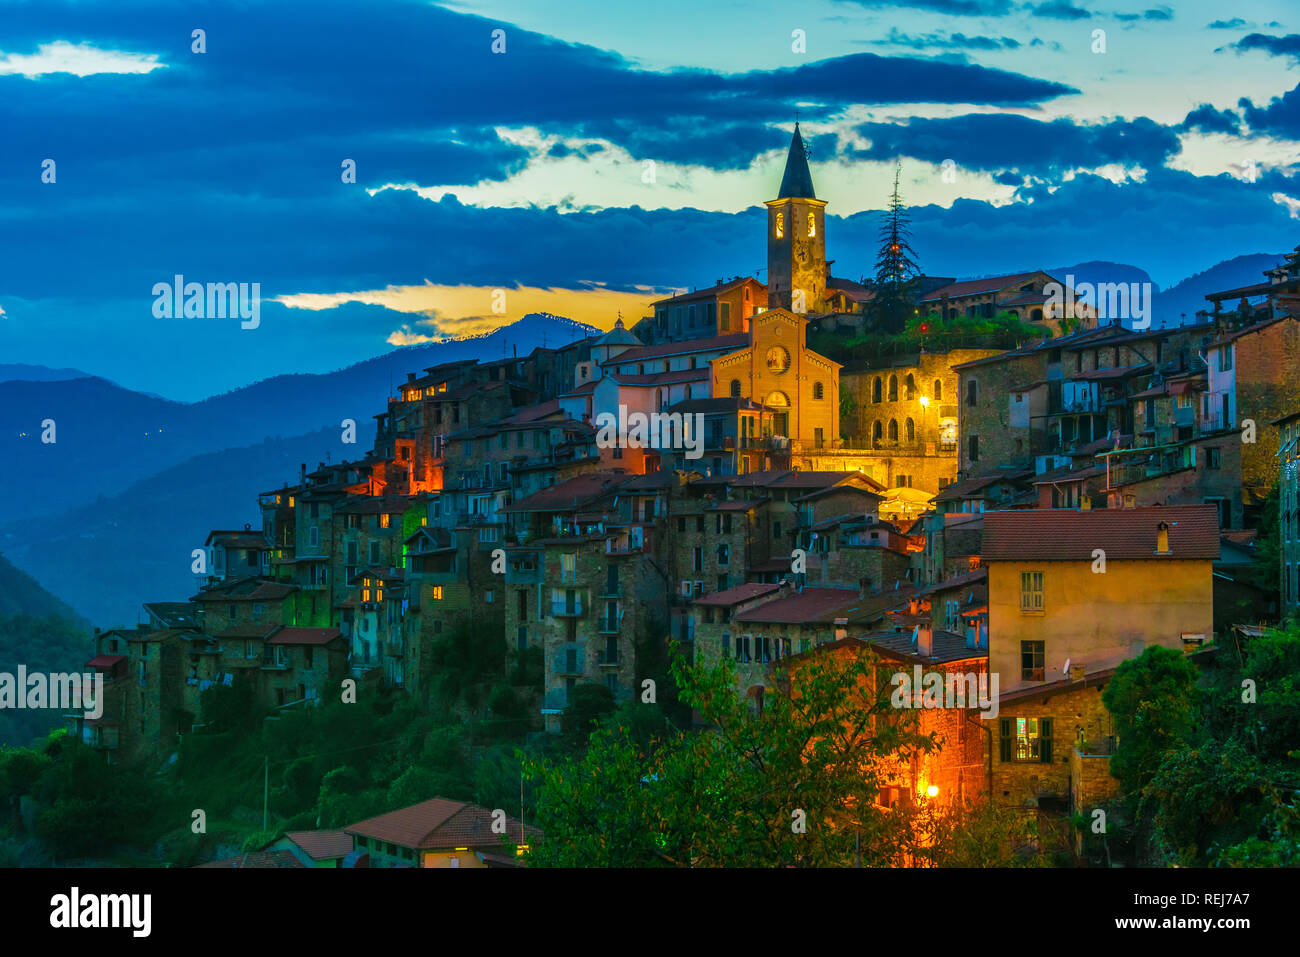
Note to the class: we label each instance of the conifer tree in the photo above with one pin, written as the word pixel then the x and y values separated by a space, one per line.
pixel 896 270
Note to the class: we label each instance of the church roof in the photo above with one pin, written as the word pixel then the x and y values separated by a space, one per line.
pixel 619 336
pixel 797 180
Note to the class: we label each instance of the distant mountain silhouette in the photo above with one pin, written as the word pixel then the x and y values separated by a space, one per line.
pixel 1179 303
pixel 18 371
pixel 107 437
pixel 107 558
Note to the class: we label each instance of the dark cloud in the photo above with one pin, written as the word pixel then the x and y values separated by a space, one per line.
pixel 997 142
pixel 1287 46
pixel 1059 10
pixel 1208 119
pixel 946 41
pixel 960 8
pixel 1236 23
pixel 1281 117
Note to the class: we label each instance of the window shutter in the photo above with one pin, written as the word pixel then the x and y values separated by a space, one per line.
pixel 1045 737
pixel 1004 742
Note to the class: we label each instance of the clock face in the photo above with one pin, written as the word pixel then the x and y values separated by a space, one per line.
pixel 778 360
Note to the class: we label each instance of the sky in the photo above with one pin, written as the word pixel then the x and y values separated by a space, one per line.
pixel 391 172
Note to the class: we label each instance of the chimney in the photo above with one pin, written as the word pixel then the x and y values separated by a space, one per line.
pixel 302 474
pixel 410 377
pixel 925 639
pixel 841 628
pixel 1077 671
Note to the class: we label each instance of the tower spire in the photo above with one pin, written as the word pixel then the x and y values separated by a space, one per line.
pixel 797 181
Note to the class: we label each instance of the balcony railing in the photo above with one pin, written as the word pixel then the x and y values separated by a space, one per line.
pixel 567 609
pixel 607 658
pixel 608 624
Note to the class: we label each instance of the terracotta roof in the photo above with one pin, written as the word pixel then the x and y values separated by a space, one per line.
pixel 1059 534
pixel 734 596
pixel 322 845
pixel 439 823
pixel 1068 474
pixel 975 287
pixel 708 291
pixel 104 661
pixel 973 487
pixel 809 605
pixel 947 647
pixel 660 378
pixel 568 496
pixel 305 636
pixel 957 581
pixel 708 344
pixel 245 589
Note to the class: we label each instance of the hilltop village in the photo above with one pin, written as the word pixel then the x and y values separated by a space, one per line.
pixel 941 509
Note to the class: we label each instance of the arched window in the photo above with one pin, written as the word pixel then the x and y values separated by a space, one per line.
pixel 893 430
pixel 875 389
pixel 909 385
pixel 909 429
pixel 780 225
pixel 735 388
pixel 876 431
pixel 818 392
pixel 938 390
pixel 972 392
pixel 893 388
pixel 812 225
pixel 688 390
pixel 777 400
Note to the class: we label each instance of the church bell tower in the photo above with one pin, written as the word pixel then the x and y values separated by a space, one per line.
pixel 796 237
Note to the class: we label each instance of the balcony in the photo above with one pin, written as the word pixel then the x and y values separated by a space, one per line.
pixel 608 624
pixel 608 658
pixel 569 662
pixel 567 609
pixel 555 701
pixel 275 662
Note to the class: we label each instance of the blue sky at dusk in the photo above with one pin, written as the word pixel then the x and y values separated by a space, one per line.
pixel 1176 148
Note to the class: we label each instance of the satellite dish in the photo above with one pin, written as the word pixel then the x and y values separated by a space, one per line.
pixel 1067 666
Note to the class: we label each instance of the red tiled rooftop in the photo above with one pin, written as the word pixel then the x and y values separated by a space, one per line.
pixel 438 823
pixel 305 636
pixel 322 845
pixel 708 344
pixel 974 287
pixel 1123 534
pixel 734 596
pixel 810 604
pixel 568 496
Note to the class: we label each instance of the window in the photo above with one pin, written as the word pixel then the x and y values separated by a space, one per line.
pixel 1031 591
pixel 776 531
pixel 875 389
pixel 1211 458
pixel 1032 655
pixel 697 559
pixel 385 520
pixel 972 393
pixel 313 536
pixel 436 593
pixel 568 566
pixel 724 554
pixel 910 430
pixel 893 430
pixel 374 554
pixel 893 388
pixel 487 596
pixel 780 225
pixel 724 317
pixel 742 648
pixel 819 391
pixel 819 438
pixel 812 224
pixel 938 390
pixel 726 644
pixel 234 610
pixel 973 444
pixel 1026 739
pixel 681 523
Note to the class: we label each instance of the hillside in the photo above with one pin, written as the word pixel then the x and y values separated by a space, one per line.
pixel 107 558
pixel 108 437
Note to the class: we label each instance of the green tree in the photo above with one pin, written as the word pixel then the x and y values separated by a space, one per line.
pixel 1154 702
pixel 790 781
pixel 896 269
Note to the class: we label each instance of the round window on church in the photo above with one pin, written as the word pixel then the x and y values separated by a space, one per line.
pixel 778 360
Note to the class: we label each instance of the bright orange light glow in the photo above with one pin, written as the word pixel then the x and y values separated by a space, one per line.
pixel 931 791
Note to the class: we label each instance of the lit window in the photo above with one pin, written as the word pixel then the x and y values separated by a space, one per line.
pixel 780 225
pixel 437 593
pixel 812 225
